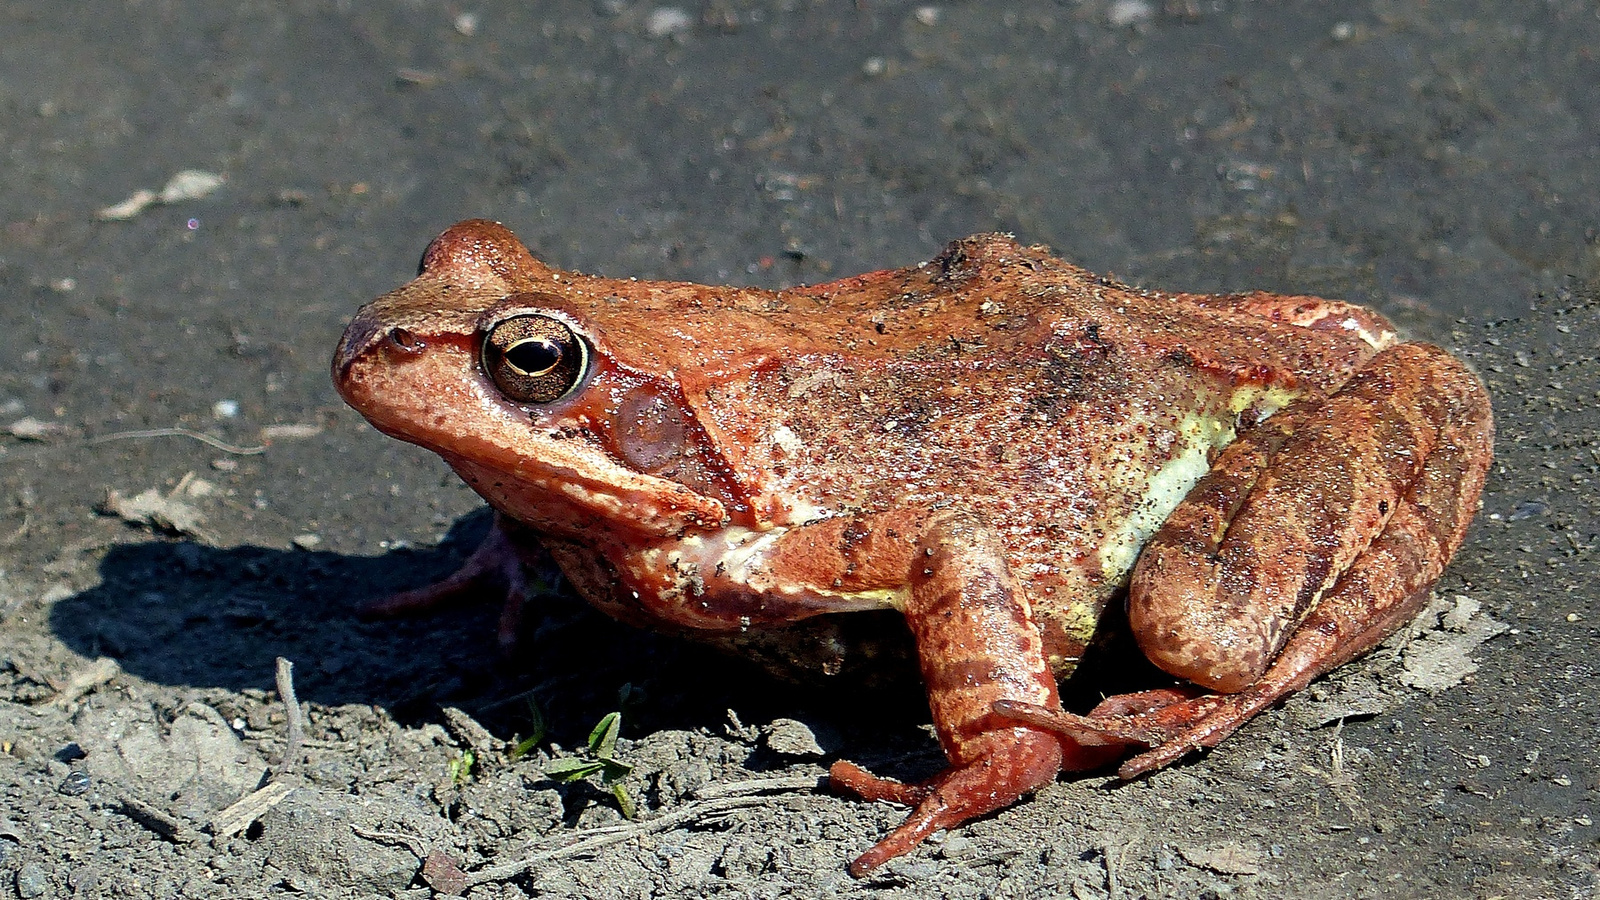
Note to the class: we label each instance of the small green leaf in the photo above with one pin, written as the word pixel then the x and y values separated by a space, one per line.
pixel 524 747
pixel 630 695
pixel 461 767
pixel 624 801
pixel 603 739
pixel 569 769
pixel 611 770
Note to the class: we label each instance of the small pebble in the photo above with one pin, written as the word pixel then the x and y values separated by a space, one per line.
pixel 32 881
pixel 665 21
pixel 75 784
pixel 787 737
pixel 1130 12
pixel 189 184
pixel 1528 509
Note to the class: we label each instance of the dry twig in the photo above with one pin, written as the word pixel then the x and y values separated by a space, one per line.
pixel 596 838
pixel 238 815
pixel 158 821
pixel 203 438
pixel 296 723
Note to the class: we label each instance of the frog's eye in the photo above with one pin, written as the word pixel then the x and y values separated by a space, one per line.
pixel 534 359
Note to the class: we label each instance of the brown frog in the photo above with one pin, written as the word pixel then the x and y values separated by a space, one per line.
pixel 995 444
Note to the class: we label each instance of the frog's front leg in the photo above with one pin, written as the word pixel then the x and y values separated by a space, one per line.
pixel 498 567
pixel 978 645
pixel 1313 538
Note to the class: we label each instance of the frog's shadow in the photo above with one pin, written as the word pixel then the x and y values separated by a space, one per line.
pixel 194 617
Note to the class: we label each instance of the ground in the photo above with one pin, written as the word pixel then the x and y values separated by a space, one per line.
pixel 1435 160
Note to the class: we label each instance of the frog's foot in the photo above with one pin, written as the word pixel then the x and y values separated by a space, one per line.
pixel 1171 721
pixel 1145 718
pixel 1016 761
pixel 497 566
pixel 1175 722
pixel 1381 591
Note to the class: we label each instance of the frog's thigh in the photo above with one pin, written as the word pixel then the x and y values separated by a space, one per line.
pixel 1290 508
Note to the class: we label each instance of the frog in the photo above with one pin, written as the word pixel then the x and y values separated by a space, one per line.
pixel 996 447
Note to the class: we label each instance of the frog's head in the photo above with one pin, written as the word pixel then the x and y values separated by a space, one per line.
pixel 493 360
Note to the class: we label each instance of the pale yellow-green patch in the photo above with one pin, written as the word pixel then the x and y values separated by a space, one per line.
pixel 1198 436
pixel 1079 620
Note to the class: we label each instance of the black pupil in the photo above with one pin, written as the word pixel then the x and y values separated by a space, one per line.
pixel 535 356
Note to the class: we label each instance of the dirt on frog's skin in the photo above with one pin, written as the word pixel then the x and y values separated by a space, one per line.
pixel 1436 160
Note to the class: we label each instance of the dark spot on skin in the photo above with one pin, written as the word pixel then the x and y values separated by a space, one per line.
pixel 957 676
pixel 853 534
pixel 1181 358
pixel 1083 370
pixel 1316 576
pixel 953 258
pixel 1383 507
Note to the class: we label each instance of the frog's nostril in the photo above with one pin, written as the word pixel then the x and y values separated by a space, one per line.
pixel 405 340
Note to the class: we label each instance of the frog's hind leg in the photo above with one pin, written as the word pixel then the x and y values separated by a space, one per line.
pixel 1313 539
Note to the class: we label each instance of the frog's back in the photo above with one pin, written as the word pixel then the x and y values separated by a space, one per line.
pixel 1069 412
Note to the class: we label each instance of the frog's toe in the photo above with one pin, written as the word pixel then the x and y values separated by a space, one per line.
pixel 851 778
pixel 1088 731
pixel 1192 725
pixel 1013 762
pixel 461 584
pixel 1169 721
